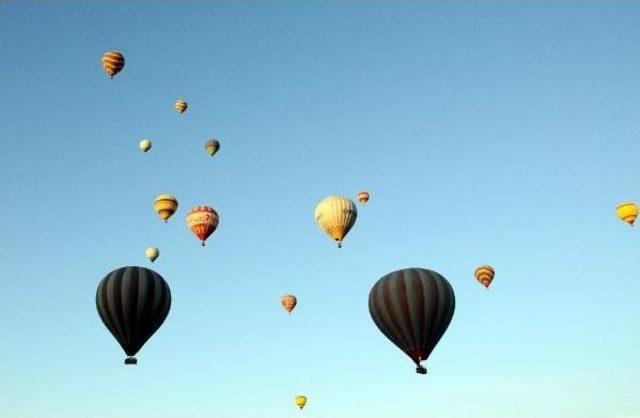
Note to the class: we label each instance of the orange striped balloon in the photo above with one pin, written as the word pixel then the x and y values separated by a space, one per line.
pixel 202 221
pixel 112 62
pixel 363 197
pixel 289 302
pixel 484 274
pixel 180 105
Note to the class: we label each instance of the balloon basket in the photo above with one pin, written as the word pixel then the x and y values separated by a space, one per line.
pixel 421 370
pixel 131 360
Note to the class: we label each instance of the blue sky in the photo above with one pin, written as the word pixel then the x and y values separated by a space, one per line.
pixel 503 133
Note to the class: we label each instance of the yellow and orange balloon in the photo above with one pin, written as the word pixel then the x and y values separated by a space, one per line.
pixel 363 197
pixel 484 274
pixel 300 401
pixel 289 302
pixel 180 105
pixel 112 62
pixel 628 212
pixel 203 221
pixel 336 215
pixel 165 205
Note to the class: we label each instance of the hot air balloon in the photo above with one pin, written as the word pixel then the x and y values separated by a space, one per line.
pixel 628 212
pixel 180 105
pixel 152 253
pixel 212 146
pixel 363 197
pixel 145 145
pixel 133 302
pixel 202 221
pixel 112 62
pixel 413 308
pixel 484 274
pixel 166 205
pixel 336 216
pixel 301 401
pixel 289 302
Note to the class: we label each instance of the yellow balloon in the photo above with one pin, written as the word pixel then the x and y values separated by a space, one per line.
pixel 301 401
pixel 180 105
pixel 628 212
pixel 145 145
pixel 336 215
pixel 165 205
pixel 152 253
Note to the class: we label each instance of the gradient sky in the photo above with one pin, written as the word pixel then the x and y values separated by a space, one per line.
pixel 502 133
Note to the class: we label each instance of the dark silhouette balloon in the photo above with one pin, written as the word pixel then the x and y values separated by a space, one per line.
pixel 133 302
pixel 413 308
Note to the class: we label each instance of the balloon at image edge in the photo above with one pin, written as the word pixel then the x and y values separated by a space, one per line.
pixel 165 206
pixel 413 308
pixel 133 302
pixel 628 212
pixel 203 221
pixel 336 215
pixel 289 302
pixel 112 63
pixel 300 401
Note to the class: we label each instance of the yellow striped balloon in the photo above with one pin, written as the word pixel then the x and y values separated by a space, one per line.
pixel 301 401
pixel 289 302
pixel 152 253
pixel 336 215
pixel 484 274
pixel 363 197
pixel 112 62
pixel 145 145
pixel 628 212
pixel 165 205
pixel 180 105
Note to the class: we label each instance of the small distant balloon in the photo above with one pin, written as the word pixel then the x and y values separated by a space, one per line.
pixel 363 197
pixel 203 221
pixel 145 145
pixel 336 215
pixel 301 401
pixel 112 62
pixel 165 205
pixel 289 302
pixel 484 274
pixel 628 212
pixel 152 253
pixel 180 105
pixel 212 146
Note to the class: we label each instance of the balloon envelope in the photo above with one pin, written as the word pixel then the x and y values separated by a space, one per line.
pixel 301 401
pixel 212 146
pixel 363 197
pixel 485 274
pixel 145 145
pixel 412 308
pixel 628 212
pixel 152 253
pixel 203 221
pixel 165 205
pixel 133 302
pixel 336 215
pixel 289 302
pixel 180 105
pixel 112 62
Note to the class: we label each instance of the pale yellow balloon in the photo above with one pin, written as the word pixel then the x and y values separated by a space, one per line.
pixel 145 145
pixel 336 215
pixel 628 212
pixel 301 401
pixel 152 253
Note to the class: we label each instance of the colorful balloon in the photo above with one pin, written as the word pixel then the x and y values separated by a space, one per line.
pixel 212 146
pixel 145 145
pixel 484 275
pixel 165 205
pixel 203 221
pixel 112 62
pixel 133 302
pixel 301 401
pixel 413 308
pixel 152 253
pixel 180 105
pixel 289 302
pixel 628 212
pixel 336 215
pixel 363 197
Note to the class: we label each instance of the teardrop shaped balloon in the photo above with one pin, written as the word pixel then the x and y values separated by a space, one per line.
pixel 165 205
pixel 133 302
pixel 180 105
pixel 145 145
pixel 363 197
pixel 112 62
pixel 336 215
pixel 152 253
pixel 212 146
pixel 413 308
pixel 203 221
pixel 301 401
pixel 628 212
pixel 289 302
pixel 484 274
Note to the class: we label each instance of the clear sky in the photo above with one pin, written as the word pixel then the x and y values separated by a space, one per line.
pixel 502 133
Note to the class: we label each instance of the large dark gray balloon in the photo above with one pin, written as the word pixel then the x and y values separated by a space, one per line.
pixel 413 308
pixel 133 302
